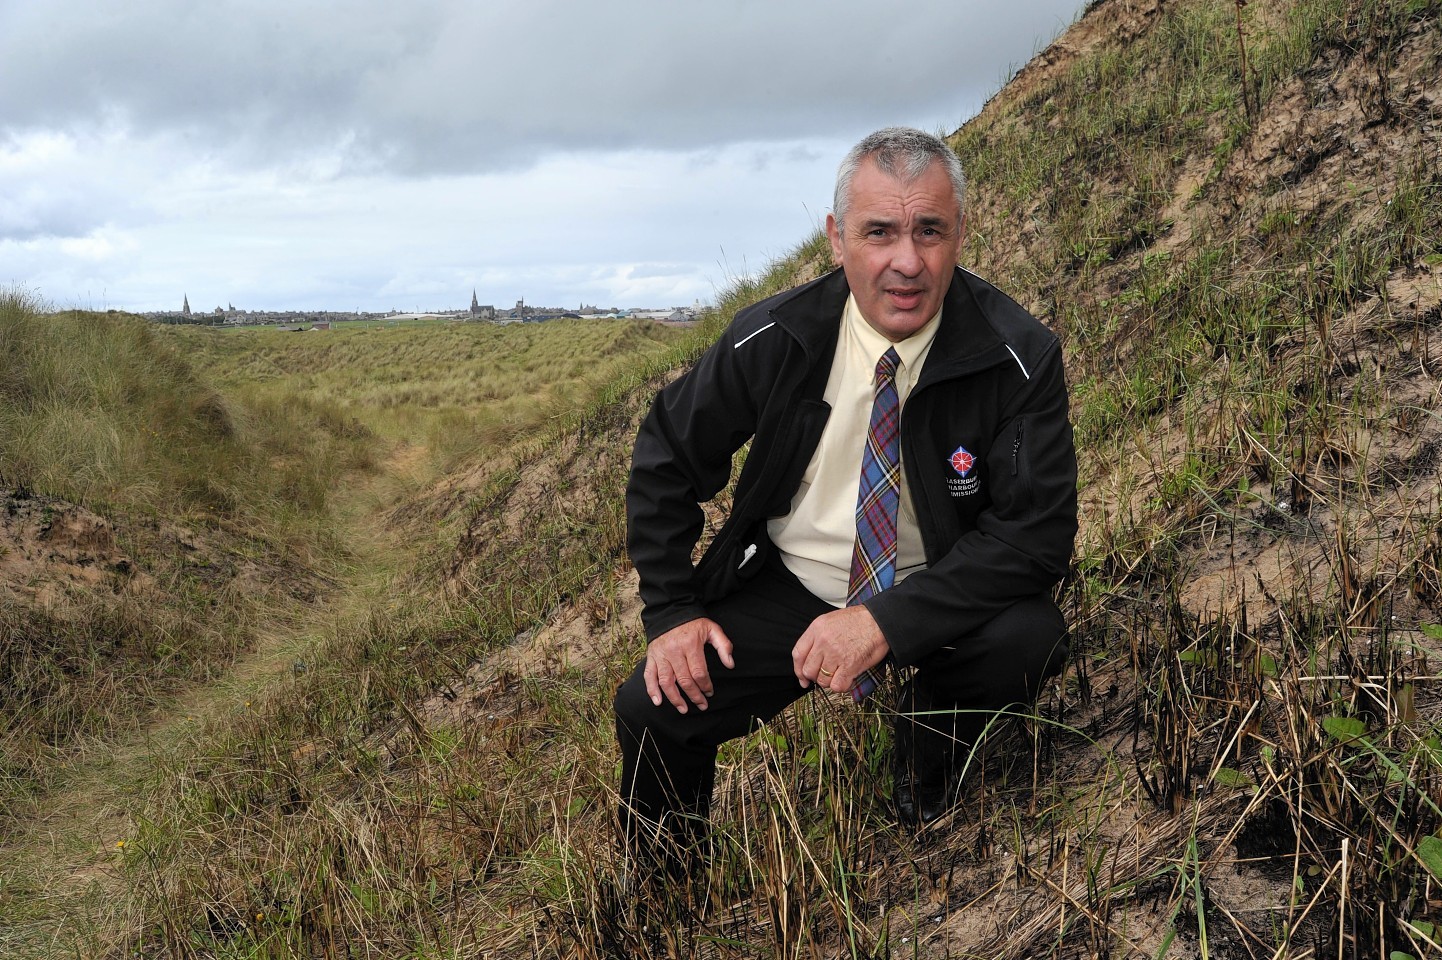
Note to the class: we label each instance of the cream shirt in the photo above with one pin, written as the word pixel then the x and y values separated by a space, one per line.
pixel 818 536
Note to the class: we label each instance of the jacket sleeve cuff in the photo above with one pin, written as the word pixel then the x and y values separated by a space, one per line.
pixel 670 618
pixel 902 653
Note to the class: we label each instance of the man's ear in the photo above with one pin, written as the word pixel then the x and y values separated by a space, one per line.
pixel 833 233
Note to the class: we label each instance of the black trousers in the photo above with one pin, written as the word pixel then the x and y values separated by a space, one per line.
pixel 669 758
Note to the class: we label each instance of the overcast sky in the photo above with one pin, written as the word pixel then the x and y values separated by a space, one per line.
pixel 379 154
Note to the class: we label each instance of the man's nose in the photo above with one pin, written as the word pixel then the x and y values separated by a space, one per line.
pixel 906 258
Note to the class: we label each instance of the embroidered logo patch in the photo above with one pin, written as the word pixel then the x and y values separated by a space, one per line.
pixel 967 480
pixel 962 461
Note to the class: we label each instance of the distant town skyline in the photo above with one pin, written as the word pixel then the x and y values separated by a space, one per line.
pixel 281 156
pixel 475 308
pixel 231 315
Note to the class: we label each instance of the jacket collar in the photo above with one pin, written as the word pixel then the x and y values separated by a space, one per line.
pixel 812 313
pixel 965 342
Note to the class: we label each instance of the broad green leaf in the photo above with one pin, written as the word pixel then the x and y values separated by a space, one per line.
pixel 1429 851
pixel 1268 664
pixel 1427 930
pixel 1344 728
pixel 1227 777
pixel 1433 630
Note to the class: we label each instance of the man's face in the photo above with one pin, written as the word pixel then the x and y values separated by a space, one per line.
pixel 898 246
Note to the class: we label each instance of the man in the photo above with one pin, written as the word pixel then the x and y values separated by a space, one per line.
pixel 837 560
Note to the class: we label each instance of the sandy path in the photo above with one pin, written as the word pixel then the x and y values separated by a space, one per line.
pixel 62 865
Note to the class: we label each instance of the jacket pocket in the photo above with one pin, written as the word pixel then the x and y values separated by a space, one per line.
pixel 722 572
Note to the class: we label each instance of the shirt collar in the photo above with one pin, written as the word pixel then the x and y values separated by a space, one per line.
pixel 874 344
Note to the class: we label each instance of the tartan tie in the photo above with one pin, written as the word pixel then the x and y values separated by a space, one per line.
pixel 873 560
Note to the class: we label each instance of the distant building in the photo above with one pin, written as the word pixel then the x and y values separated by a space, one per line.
pixel 481 311
pixel 520 311
pixel 185 307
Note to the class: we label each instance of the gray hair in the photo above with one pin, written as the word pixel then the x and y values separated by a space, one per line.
pixel 903 152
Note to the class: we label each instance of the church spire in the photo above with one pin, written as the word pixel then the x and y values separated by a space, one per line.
pixel 185 309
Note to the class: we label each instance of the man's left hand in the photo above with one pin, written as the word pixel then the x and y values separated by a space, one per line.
pixel 837 647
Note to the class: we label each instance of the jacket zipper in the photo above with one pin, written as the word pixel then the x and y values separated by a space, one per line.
pixel 1016 446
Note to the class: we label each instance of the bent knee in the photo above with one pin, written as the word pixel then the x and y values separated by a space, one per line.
pixel 1038 636
pixel 1008 658
pixel 632 704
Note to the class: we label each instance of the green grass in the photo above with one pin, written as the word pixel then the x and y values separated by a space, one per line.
pixel 456 389
pixel 97 410
pixel 101 409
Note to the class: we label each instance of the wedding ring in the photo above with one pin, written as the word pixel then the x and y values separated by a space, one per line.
pixel 827 673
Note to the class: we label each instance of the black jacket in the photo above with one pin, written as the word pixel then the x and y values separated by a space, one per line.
pixel 992 388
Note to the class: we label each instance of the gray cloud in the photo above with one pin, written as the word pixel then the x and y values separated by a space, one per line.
pixel 451 86
pixel 48 188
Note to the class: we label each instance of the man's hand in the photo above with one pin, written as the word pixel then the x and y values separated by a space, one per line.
pixel 837 647
pixel 676 663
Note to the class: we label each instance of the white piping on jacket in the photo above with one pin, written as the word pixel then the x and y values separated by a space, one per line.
pixel 1017 359
pixel 772 324
pixel 1009 350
